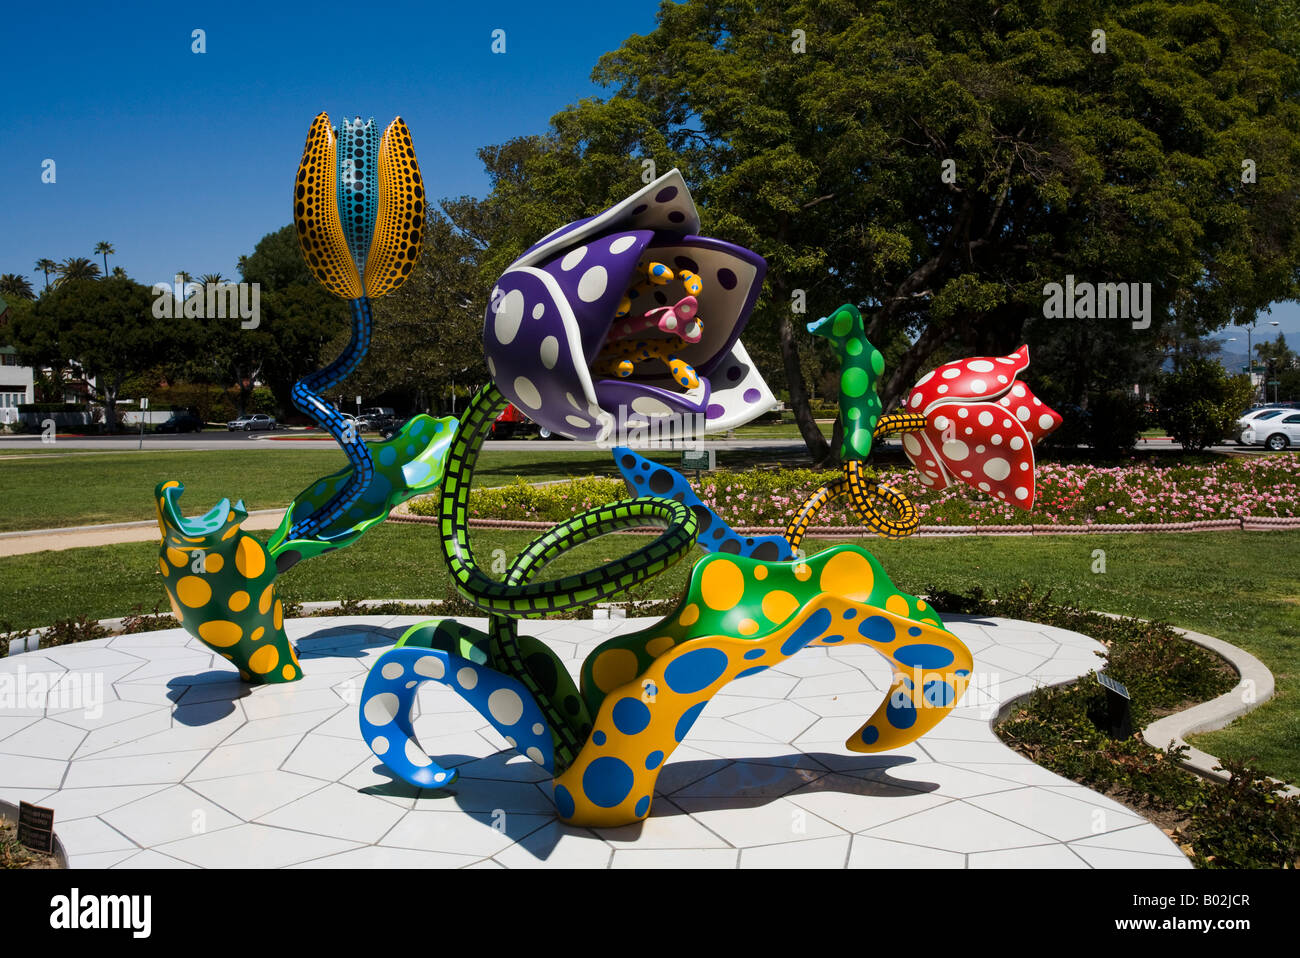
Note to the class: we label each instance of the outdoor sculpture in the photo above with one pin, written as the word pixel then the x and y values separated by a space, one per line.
pixel 616 324
pixel 359 213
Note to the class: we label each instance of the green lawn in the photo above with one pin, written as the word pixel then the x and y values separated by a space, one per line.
pixel 786 430
pixel 1240 587
pixel 74 489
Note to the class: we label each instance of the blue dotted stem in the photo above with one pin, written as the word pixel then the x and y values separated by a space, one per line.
pixel 307 396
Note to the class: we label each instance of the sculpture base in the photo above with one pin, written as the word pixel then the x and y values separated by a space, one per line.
pixel 280 776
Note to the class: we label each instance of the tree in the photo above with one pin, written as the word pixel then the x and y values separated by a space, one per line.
pixel 106 249
pixel 939 163
pixel 14 286
pixel 35 336
pixel 76 268
pixel 1281 366
pixel 302 325
pixel 1199 403
pixel 47 266
pixel 106 327
pixel 428 334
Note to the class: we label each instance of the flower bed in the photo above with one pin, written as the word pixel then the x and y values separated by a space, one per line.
pixel 1068 494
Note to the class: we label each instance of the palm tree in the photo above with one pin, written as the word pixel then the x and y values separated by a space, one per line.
pixel 76 267
pixel 119 272
pixel 212 279
pixel 47 266
pixel 105 248
pixel 16 287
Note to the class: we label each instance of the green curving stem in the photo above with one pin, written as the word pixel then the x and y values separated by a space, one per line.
pixel 409 464
pixel 861 365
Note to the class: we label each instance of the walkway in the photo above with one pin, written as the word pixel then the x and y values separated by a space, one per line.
pixel 167 760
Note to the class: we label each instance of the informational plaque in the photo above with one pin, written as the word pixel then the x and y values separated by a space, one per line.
pixel 36 827
pixel 703 459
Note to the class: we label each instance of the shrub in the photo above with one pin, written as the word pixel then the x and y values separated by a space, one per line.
pixel 1199 403
pixel 51 407
pixel 137 620
pixel 553 502
pixel 263 400
pixel 1245 823
pixel 1224 487
pixel 210 403
pixel 1115 422
pixel 68 631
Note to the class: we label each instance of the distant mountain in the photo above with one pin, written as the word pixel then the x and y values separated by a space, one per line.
pixel 1232 359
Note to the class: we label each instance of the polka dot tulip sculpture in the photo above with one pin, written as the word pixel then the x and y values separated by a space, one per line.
pixel 614 324
pixel 980 427
pixel 359 213
pixel 618 321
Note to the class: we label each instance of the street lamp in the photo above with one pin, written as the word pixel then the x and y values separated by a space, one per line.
pixel 1250 354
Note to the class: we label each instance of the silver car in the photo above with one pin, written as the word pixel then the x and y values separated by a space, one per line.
pixel 248 423
pixel 1274 432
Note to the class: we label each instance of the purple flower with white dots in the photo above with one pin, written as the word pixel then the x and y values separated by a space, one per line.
pixel 564 314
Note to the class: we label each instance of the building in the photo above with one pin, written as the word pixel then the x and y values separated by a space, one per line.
pixel 17 383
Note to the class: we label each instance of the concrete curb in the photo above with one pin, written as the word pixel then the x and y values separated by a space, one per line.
pixel 1244 523
pixel 1255 688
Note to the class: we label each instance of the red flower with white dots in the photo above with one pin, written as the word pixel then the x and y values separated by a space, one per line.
pixel 981 428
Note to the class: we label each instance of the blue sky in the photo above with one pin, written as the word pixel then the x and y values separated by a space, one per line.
pixel 185 160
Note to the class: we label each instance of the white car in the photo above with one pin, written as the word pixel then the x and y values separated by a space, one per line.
pixel 1274 432
pixel 1261 414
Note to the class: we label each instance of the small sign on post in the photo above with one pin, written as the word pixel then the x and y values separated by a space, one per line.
pixel 705 459
pixel 36 827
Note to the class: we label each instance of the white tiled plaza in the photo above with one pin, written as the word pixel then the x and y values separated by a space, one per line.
pixel 152 754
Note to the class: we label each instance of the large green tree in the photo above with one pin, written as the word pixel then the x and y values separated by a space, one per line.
pixel 106 327
pixel 428 334
pixel 939 163
pixel 301 325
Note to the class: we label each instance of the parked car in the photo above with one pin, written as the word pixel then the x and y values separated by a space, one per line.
pixel 512 423
pixel 1273 432
pixel 258 420
pixel 377 419
pixel 181 422
pixel 1259 414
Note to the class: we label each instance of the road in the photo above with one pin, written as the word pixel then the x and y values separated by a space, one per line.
pixel 292 439
pixel 287 439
